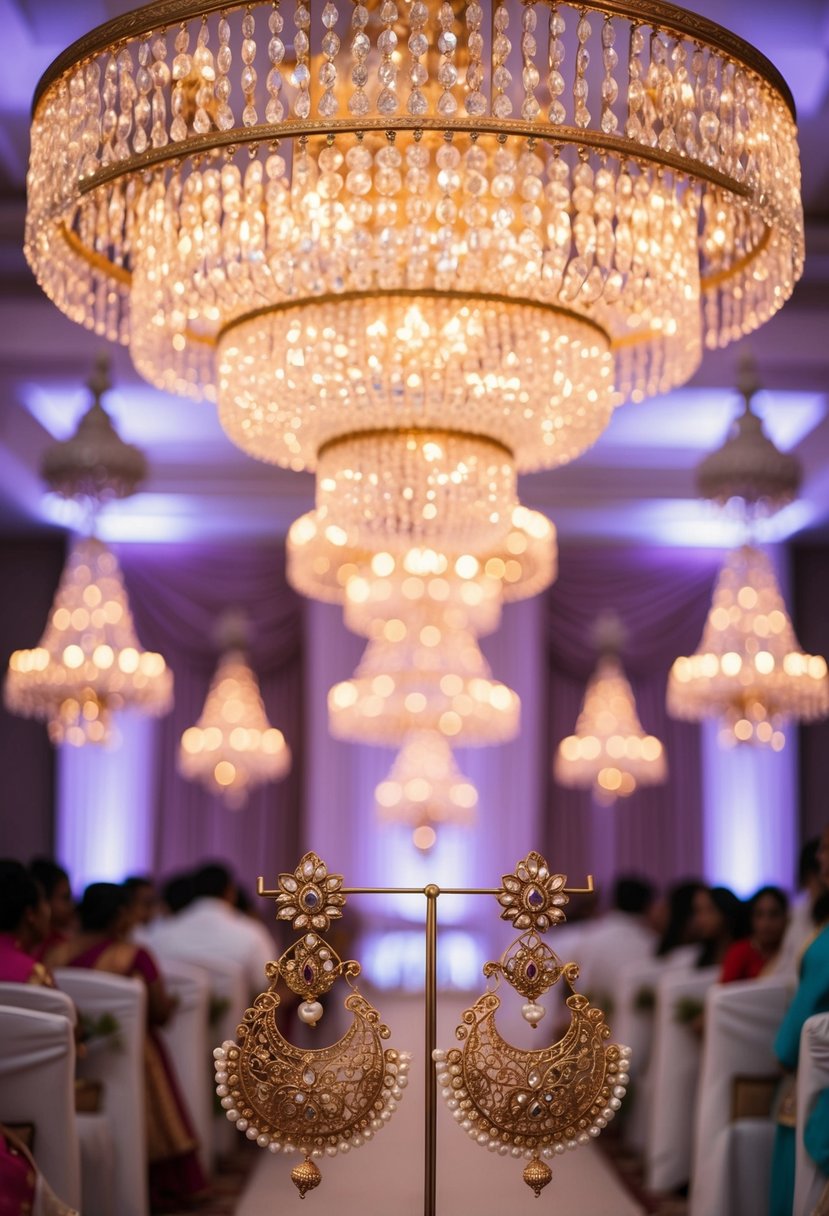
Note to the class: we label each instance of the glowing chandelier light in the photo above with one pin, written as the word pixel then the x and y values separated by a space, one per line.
pixel 748 468
pixel 89 661
pixel 609 752
pixel 417 248
pixel 749 669
pixel 233 748
pixel 426 790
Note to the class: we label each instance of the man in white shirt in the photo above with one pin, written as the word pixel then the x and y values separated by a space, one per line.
pixel 616 941
pixel 211 923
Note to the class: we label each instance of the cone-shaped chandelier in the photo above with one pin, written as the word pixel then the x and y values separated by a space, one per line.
pixel 749 670
pixel 748 467
pixel 89 661
pixel 609 752
pixel 233 748
pixel 426 789
pixel 417 248
pixel 95 463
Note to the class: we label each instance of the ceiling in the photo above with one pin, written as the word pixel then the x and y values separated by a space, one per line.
pixel 636 484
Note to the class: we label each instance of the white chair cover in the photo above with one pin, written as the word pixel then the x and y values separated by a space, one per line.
pixel 741 1021
pixel 812 1077
pixel 37 1085
pixel 674 1067
pixel 230 998
pixel 97 1153
pixel 119 1064
pixel 186 1039
pixel 632 1024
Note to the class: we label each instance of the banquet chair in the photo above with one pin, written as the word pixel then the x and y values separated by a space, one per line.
pixel 738 1069
pixel 632 1024
pixel 186 1039
pixel 94 1133
pixel 229 997
pixel 812 1077
pixel 673 1073
pixel 37 1087
pixel 117 1061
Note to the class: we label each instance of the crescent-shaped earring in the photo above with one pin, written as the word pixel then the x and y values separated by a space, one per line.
pixel 316 1102
pixel 537 1103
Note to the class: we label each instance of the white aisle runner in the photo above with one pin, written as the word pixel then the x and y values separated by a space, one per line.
pixel 385 1177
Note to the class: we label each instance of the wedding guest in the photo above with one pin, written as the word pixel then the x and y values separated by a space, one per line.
pixel 755 956
pixel 212 922
pixel 24 926
pixel 176 1177
pixel 617 940
pixel 58 891
pixel 811 996
pixel 718 920
pixel 674 921
pixel 142 900
pixel 802 927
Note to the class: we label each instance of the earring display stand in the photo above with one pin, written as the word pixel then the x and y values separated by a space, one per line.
pixel 431 893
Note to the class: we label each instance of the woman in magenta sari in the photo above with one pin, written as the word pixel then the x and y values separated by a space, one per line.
pixel 176 1178
pixel 24 925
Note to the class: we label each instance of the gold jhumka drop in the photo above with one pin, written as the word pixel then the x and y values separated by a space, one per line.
pixel 538 1103
pixel 316 1102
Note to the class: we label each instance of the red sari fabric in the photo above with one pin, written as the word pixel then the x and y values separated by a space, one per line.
pixel 743 961
pixel 175 1173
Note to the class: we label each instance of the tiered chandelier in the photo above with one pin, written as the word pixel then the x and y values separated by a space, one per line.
pixel 89 661
pixel 233 748
pixel 609 752
pixel 425 789
pixel 749 670
pixel 418 249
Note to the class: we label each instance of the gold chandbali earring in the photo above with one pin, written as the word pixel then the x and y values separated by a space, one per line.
pixel 537 1103
pixel 317 1102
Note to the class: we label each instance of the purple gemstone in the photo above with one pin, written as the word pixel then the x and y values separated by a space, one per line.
pixel 308 974
pixel 532 971
pixel 534 898
pixel 310 899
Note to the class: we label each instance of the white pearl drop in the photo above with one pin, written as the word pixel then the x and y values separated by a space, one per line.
pixel 515 1152
pixel 614 1103
pixel 600 1121
pixel 547 1153
pixel 437 1054
pixel 368 1134
pixel 232 1115
pixel 356 1140
pixel 222 1091
pixel 608 1113
pixel 331 1150
pixel 344 1147
pixel 571 1144
pixel 385 1115
pixel 402 1082
pixel 503 1150
pixel 483 1138
pixel 559 1149
pixel 218 1053
pixel 263 1141
pixel 457 1114
pixel 595 1131
pixel 316 1152
pixel 466 1124
pixel 252 1133
pixel 228 1103
pixel 397 1092
pixel 377 1124
pixel 310 1012
pixel 452 1103
pixel 274 1146
pixel 221 1077
pixel 619 1091
pixel 623 1078
pixel 584 1138
pixel 242 1124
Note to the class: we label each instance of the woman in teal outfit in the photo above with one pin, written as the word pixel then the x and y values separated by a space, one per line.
pixel 812 996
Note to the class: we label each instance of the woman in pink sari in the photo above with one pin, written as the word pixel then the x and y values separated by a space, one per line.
pixel 24 925
pixel 176 1178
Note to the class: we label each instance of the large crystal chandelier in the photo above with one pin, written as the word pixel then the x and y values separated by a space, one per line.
pixel 89 661
pixel 418 248
pixel 749 670
pixel 425 789
pixel 748 468
pixel 233 748
pixel 609 752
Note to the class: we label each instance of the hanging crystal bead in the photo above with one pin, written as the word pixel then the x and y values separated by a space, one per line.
pixel 501 75
pixel 249 76
pixel 109 121
pixel 475 101
pixel 530 78
pixel 143 84
pixel 127 97
pixel 161 77
pixel 610 89
pixel 275 107
pixel 301 75
pixel 417 103
pixel 224 61
pixel 555 58
pixel 581 114
pixel 328 104
pixel 636 89
pixel 387 100
pixel 182 67
pixel 358 102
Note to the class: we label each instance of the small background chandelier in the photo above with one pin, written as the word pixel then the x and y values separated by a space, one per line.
pixel 233 748
pixel 419 249
pixel 749 670
pixel 89 661
pixel 426 790
pixel 609 751
pixel 749 469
